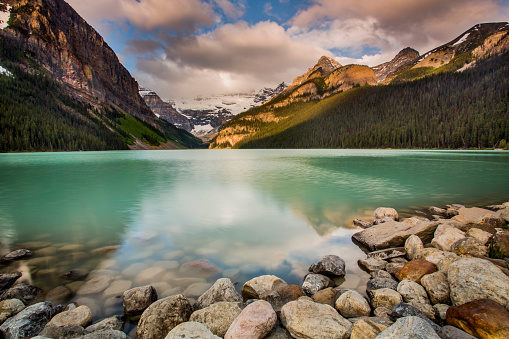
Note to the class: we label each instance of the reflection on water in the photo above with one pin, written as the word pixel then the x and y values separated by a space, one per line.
pixel 179 220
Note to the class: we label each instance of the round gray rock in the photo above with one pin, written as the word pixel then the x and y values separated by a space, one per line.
pixel 162 316
pixel 329 265
pixel 409 328
pixel 222 290
pixel 137 299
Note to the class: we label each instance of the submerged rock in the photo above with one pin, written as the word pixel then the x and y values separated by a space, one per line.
pixel 17 255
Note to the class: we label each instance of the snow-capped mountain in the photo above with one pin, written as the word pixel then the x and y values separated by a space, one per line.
pixel 206 115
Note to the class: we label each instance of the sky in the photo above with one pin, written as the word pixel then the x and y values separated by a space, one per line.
pixel 198 48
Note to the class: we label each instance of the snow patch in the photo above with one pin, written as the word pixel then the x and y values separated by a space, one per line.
pixel 202 129
pixel 4 17
pixel 462 40
pixel 5 72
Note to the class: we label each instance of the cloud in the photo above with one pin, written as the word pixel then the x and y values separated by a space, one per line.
pixel 390 25
pixel 178 15
pixel 233 58
pixel 231 10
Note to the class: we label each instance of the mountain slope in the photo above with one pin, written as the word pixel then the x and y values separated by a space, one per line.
pixel 48 38
pixel 448 110
pixel 403 58
pixel 307 117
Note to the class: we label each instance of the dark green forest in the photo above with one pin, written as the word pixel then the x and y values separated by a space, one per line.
pixel 448 110
pixel 36 114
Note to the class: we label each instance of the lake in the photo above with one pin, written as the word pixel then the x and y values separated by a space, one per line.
pixel 181 219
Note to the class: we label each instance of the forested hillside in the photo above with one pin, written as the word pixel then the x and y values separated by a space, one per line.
pixel 467 109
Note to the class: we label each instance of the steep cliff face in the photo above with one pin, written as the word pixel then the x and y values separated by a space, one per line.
pixel 165 110
pixel 61 42
pixel 387 69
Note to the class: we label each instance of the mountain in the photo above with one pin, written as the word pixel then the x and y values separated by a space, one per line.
pixel 454 96
pixel 47 38
pixel 403 58
pixel 204 116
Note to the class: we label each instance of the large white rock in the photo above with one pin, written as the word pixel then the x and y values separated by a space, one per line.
pixel 261 287
pixel 190 330
pixel 473 279
pixel 351 305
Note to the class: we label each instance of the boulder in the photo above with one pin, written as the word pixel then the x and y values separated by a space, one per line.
pixel 369 328
pixel 330 265
pixel 378 283
pixel 479 218
pixel 382 312
pixel 451 332
pixel 316 282
pixel 412 245
pixel 304 318
pixel 385 297
pixel 17 255
pixel 10 307
pixel 414 270
pixel 59 295
pixel 351 305
pixel 117 288
pixel 382 236
pixel 326 296
pixel 469 247
pixel 8 279
pixel 426 309
pixel 255 321
pixel 162 316
pixel 25 293
pixel 445 236
pixel 437 287
pixel 479 234
pixel 372 264
pixel 112 323
pixel 481 318
pixel 260 287
pixel 29 322
pixel 412 292
pixel 409 328
pixel 81 316
pixel 63 332
pixel 403 309
pixel 222 290
pixel 217 317
pixel 381 274
pixel 136 300
pixel 472 279
pixel 382 212
pixel 190 330
pixel 499 244
pixel 284 295
pixel 449 258
pixel 149 276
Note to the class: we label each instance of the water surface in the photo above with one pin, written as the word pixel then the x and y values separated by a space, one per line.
pixel 247 212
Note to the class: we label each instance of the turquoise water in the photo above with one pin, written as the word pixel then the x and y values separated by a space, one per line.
pixel 248 212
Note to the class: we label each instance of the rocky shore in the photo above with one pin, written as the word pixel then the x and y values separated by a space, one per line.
pixel 446 276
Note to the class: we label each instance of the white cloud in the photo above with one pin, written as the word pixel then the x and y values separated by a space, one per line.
pixel 233 58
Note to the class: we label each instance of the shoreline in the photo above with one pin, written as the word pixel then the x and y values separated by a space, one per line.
pixel 415 266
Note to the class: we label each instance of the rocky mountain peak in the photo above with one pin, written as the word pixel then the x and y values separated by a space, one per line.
pixel 404 57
